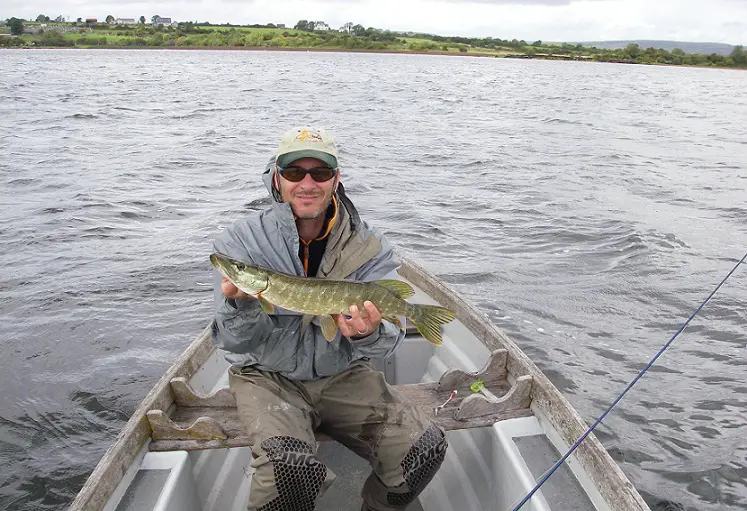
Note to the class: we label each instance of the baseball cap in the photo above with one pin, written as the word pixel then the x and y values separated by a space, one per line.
pixel 306 142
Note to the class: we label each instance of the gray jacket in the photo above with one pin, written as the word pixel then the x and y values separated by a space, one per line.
pixel 274 342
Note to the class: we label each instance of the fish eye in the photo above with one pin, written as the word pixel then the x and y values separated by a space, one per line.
pixel 240 266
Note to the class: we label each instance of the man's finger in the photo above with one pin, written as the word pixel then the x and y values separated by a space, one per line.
pixel 356 312
pixel 361 326
pixel 373 312
pixel 343 323
pixel 340 320
pixel 230 290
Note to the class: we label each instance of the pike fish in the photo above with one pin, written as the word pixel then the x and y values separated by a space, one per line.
pixel 323 297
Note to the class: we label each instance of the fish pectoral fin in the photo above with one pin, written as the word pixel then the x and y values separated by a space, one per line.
pixel 399 288
pixel 393 320
pixel 329 327
pixel 267 307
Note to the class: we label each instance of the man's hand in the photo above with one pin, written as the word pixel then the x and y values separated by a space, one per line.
pixel 360 323
pixel 231 291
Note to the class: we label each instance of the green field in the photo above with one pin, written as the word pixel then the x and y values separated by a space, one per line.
pixel 190 35
pixel 111 38
pixel 273 31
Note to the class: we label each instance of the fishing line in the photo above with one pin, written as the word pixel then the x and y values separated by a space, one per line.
pixel 550 472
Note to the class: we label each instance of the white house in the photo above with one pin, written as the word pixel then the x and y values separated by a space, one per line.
pixel 125 21
pixel 162 22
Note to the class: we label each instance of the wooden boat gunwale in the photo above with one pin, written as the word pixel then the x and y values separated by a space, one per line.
pixel 602 470
pixel 104 479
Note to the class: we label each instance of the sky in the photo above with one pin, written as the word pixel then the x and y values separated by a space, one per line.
pixel 722 21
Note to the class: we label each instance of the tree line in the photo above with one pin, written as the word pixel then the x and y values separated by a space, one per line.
pixel 350 36
pixel 633 53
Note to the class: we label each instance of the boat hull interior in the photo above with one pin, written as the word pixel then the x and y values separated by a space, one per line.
pixel 487 468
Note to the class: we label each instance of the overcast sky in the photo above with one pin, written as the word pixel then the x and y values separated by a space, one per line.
pixel 549 20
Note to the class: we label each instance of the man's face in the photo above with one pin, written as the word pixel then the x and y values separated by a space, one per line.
pixel 308 198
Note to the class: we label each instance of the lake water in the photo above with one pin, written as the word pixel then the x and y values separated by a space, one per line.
pixel 588 209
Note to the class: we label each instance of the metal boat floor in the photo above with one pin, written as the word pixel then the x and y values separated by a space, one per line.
pixel 562 489
pixel 144 490
pixel 351 471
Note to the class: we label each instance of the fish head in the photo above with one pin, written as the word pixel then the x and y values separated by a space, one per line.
pixel 247 277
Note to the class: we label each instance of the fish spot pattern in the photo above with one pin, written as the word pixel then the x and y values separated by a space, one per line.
pixel 299 475
pixel 420 465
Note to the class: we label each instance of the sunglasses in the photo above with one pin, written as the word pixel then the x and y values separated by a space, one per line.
pixel 296 174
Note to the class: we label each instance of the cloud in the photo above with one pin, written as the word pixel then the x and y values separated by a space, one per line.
pixel 522 2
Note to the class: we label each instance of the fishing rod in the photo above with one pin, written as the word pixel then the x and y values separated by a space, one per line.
pixel 591 428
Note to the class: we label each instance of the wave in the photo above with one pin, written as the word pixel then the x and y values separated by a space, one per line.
pixel 82 116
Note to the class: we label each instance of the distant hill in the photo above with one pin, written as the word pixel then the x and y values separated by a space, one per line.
pixel 705 48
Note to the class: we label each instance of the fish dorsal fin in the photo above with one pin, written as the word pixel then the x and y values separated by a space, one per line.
pixel 329 327
pixel 399 288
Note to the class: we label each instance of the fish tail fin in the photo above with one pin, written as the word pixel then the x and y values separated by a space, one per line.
pixel 428 319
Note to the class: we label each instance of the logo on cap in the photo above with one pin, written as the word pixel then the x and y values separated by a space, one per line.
pixel 307 136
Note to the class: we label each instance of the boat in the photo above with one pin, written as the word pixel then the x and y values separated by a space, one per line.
pixel 184 448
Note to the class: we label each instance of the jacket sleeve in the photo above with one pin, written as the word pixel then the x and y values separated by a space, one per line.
pixel 386 340
pixel 239 326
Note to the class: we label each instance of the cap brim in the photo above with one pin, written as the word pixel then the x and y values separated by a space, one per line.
pixel 286 159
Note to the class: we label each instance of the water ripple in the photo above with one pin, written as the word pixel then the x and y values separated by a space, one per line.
pixel 587 209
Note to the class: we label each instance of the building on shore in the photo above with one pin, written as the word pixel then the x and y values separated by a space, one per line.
pixel 163 22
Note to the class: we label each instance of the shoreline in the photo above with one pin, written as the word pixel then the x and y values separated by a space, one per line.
pixel 359 50
pixel 260 48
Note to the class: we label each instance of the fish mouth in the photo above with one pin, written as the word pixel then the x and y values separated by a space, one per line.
pixel 228 265
pixel 216 258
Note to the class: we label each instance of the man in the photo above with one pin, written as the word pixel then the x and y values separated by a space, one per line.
pixel 287 379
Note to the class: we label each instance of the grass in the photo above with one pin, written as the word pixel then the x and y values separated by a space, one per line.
pixel 273 31
pixel 271 38
pixel 275 37
pixel 298 39
pixel 78 38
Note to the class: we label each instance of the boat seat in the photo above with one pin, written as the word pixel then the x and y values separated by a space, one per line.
pixel 212 421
